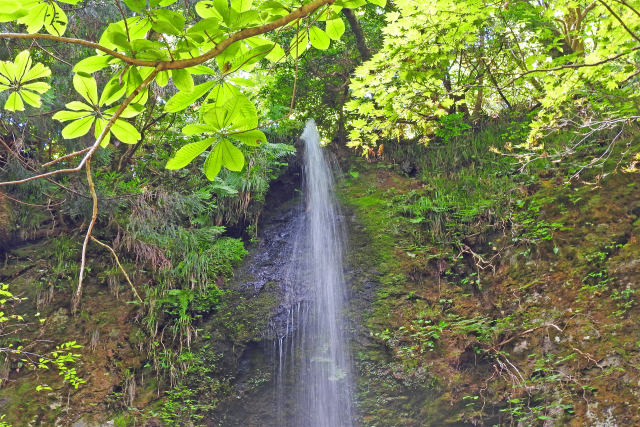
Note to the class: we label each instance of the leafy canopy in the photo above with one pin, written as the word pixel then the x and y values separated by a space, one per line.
pixel 207 52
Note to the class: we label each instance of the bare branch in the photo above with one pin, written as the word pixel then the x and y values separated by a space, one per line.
pixel 115 256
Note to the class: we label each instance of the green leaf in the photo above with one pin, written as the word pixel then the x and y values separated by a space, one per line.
pixel 182 100
pixel 250 137
pixel 40 87
pixel 225 59
pixel 241 5
pixel 243 115
pixel 194 129
pixel 276 53
pixel 168 22
pixel 319 39
pixel 182 79
pixel 298 44
pixel 36 72
pixel 335 28
pixel 87 88
pixel 132 110
pixel 112 91
pixel 351 4
pixel 222 93
pixel 31 98
pixel 77 128
pixel 34 20
pixel 10 10
pixel 274 8
pixel 92 64
pixel 237 114
pixel 209 9
pixel 21 64
pixel 125 132
pixel 65 116
pixel 100 125
pixel 55 20
pixel 247 60
pixel 381 3
pixel 223 154
pixel 78 106
pixel 14 102
pixel 162 78
pixel 187 153
pixel 136 5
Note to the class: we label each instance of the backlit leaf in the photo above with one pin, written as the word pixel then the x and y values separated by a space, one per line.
pixel 77 128
pixel 187 153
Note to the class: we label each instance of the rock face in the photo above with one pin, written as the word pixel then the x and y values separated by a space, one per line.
pixel 5 223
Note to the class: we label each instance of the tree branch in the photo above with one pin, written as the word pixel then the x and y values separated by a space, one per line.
pixel 115 256
pixel 245 33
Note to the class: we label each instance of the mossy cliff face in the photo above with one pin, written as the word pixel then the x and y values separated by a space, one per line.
pixel 532 319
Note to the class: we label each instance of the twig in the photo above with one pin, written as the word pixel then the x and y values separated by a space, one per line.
pixel 94 217
pixel 31 204
pixel 59 159
pixel 115 256
pixel 615 15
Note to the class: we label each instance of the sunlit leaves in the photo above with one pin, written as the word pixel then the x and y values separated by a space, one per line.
pixel 335 28
pixel 92 64
pixel 188 152
pixel 36 14
pixel 81 116
pixel 182 79
pixel 182 100
pixel 298 44
pixel 20 77
pixel 223 154
pixel 235 119
pixel 87 88
pixel 319 39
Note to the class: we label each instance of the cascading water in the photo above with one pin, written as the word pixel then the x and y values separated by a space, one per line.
pixel 301 254
pixel 326 380
pixel 313 372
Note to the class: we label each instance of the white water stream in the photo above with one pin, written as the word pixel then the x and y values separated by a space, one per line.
pixel 313 372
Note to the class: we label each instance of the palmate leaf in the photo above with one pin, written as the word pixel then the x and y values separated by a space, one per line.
pixel 222 93
pixel 237 114
pixel 17 75
pixel 223 154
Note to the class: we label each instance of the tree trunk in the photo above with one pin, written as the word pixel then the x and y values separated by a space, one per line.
pixel 361 43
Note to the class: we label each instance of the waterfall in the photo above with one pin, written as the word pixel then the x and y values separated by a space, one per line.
pixel 313 367
pixel 325 379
